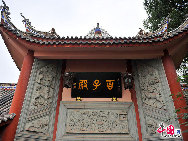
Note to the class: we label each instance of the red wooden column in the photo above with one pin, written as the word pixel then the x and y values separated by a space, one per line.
pixel 134 99
pixel 19 95
pixel 175 89
pixel 57 108
pixel 58 101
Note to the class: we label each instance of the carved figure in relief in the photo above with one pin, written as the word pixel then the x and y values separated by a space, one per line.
pixel 46 75
pixel 39 125
pixel 44 91
pixel 43 96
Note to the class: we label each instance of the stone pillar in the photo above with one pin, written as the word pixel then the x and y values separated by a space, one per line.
pixel 19 95
pixel 134 99
pixel 175 89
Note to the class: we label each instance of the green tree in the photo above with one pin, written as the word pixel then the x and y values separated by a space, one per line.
pixel 158 10
pixel 176 11
pixel 183 71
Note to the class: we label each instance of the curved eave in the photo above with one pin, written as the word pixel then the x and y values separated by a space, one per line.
pixel 49 49
pixel 16 50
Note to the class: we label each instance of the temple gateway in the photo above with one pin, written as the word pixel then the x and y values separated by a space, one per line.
pixel 96 87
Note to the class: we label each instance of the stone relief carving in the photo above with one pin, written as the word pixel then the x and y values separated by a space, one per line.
pixel 38 111
pixel 151 95
pixel 39 125
pixel 43 96
pixel 97 121
pixel 89 121
pixel 152 125
pixel 150 86
pixel 46 75
pixel 152 90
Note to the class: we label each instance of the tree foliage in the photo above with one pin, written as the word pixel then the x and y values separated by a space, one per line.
pixel 176 11
pixel 183 71
pixel 158 10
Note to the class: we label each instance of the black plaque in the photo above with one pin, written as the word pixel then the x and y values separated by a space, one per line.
pixel 96 85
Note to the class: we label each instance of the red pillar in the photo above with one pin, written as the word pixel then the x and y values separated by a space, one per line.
pixel 19 95
pixel 57 108
pixel 58 101
pixel 134 99
pixel 175 89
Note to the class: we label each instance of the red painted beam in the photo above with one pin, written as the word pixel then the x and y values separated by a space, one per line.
pixel 19 95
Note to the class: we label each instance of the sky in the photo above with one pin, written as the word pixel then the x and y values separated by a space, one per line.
pixel 120 18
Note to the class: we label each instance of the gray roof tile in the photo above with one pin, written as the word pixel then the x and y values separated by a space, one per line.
pixel 6 96
pixel 50 40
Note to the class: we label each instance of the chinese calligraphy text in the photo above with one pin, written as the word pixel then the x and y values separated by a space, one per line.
pixel 97 85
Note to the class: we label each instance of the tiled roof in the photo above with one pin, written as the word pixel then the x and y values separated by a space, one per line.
pixel 43 40
pixel 93 38
pixel 6 117
pixel 51 40
pixel 6 96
